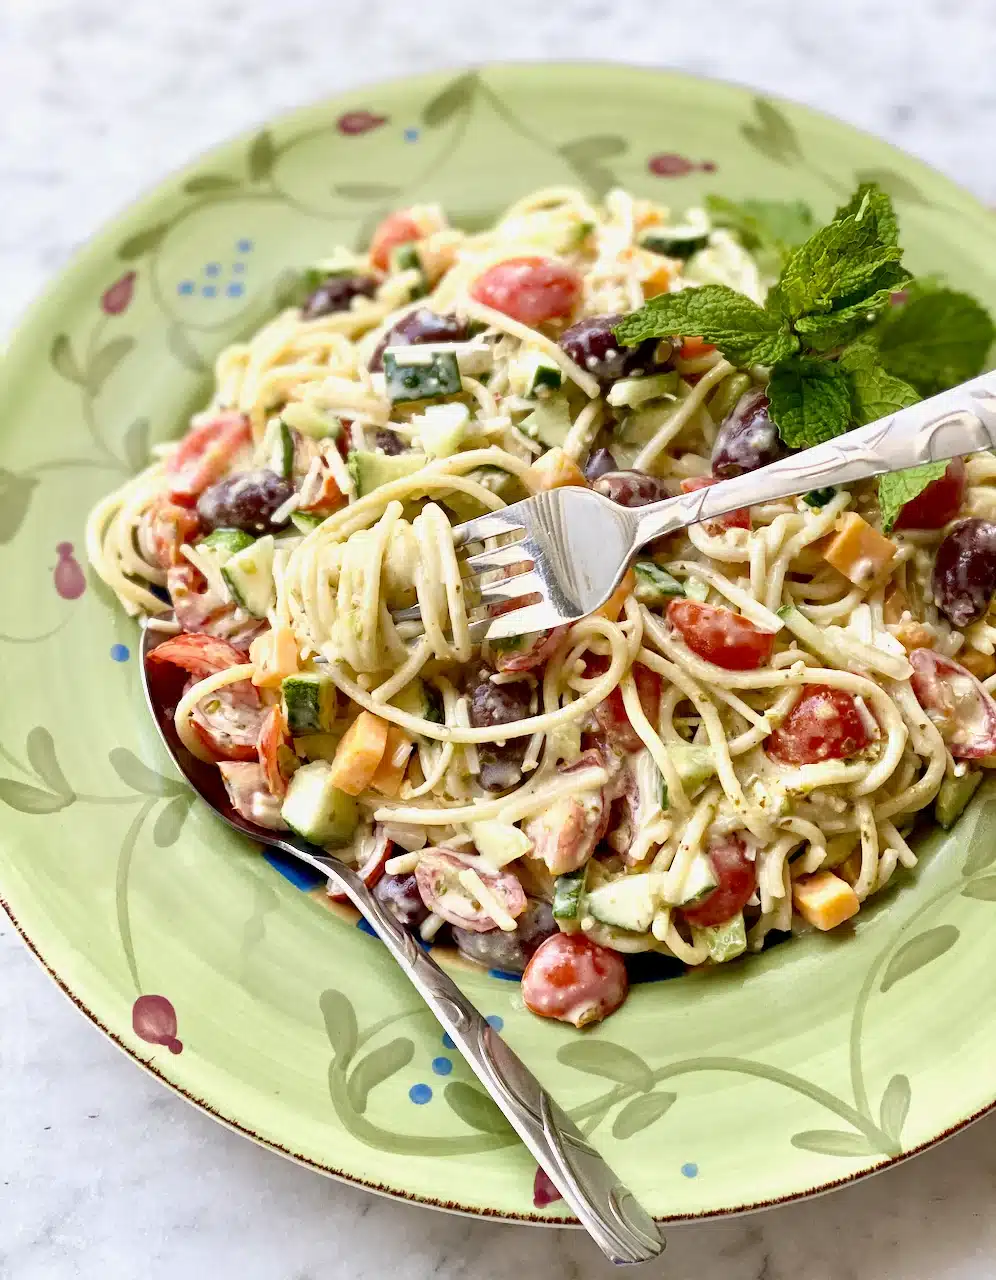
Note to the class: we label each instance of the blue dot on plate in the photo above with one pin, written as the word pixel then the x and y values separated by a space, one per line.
pixel 243 246
pixel 442 1066
pixel 209 291
pixel 238 267
pixel 120 652
pixel 213 269
pixel 366 927
pixel 185 287
pixel 411 135
pixel 690 1170
pixel 420 1094
pixel 494 1021
pixel 235 289
pixel 447 1041
pixel 503 976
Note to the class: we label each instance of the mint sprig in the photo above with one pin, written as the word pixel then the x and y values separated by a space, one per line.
pixel 809 399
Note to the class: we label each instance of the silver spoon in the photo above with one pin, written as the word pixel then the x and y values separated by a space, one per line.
pixel 609 1212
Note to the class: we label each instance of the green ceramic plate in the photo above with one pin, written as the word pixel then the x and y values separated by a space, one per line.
pixel 815 1063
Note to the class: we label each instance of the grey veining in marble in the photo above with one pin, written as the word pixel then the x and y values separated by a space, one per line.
pixel 105 1174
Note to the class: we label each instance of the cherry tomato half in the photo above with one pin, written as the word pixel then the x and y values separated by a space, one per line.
pixel 739 519
pixel 611 712
pixel 737 878
pixel 370 866
pixel 204 455
pixel 438 876
pixel 397 229
pixel 939 502
pixel 720 636
pixel 166 527
pixel 574 980
pixel 200 655
pixel 533 652
pixel 530 290
pixel 824 724
pixel 956 702
pixel 274 748
pixel 249 795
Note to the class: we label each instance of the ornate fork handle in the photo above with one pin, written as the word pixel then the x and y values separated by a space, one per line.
pixel 608 1211
pixel 957 422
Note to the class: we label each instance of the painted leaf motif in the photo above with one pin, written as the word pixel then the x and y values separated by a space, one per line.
pixel 610 1061
pixel 42 758
pixel 63 360
pixel 182 349
pixel 596 177
pixel 895 1105
pixel 893 184
pixel 982 856
pixel 639 1113
pixel 143 242
pixel 31 799
pixel 601 146
pixel 375 1068
pixel 133 773
pixel 15 499
pixel 105 361
pixel 262 156
pixel 366 190
pixel 921 950
pixel 340 1025
pixel 205 183
pixel 984 888
pixel 457 96
pixel 772 134
pixel 170 821
pixel 475 1108
pixel 833 1142
pixel 136 444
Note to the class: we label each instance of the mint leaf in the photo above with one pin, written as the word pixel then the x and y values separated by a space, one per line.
pixel 936 340
pixel 744 332
pixel 875 393
pixel 870 203
pixel 822 331
pixel 841 261
pixel 899 487
pixel 809 401
pixel 763 224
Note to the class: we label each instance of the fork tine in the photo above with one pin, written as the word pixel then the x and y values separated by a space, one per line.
pixel 491 525
pixel 496 558
pixel 507 589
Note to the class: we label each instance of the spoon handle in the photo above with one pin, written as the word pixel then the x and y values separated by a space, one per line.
pixel 608 1211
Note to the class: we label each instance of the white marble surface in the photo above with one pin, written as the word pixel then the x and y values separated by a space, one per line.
pixel 106 1174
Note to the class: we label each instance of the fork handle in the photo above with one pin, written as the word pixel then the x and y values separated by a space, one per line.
pixel 957 422
pixel 606 1209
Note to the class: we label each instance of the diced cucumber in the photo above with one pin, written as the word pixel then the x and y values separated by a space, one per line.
pixel 700 881
pixel 694 764
pixel 725 941
pixel 953 797
pixel 370 469
pixel 568 894
pixel 419 699
pixel 225 543
pixel 679 241
pixel 697 589
pixel 309 702
pixel 440 430
pixel 278 448
pixel 534 375
pixel 628 903
pixel 655 585
pixel 499 842
pixel 549 422
pixel 249 577
pixel 819 497
pixel 311 421
pixel 413 373
pixel 316 809
pixel 317 746
pixel 640 427
pixel 406 258
pixel 306 520
pixel 633 392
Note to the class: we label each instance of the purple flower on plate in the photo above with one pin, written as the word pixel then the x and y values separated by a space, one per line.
pixel 666 164
pixel 355 122
pixel 153 1019
pixel 69 578
pixel 117 298
pixel 544 1191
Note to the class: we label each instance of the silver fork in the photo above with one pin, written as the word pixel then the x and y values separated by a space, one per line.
pixel 562 553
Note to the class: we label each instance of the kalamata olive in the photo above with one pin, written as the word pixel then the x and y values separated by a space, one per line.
pixel 632 488
pixel 748 439
pixel 245 501
pixel 964 576
pixel 336 294
pixel 600 462
pixel 401 897
pixel 388 441
pixel 416 329
pixel 497 704
pixel 592 344
pixel 509 952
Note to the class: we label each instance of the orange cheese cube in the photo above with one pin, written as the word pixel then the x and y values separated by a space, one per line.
pixel 359 753
pixel 981 665
pixel 858 551
pixel 391 770
pixel 658 282
pixel 896 604
pixel 824 900
pixel 554 470
pixel 613 607
pixel 274 654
